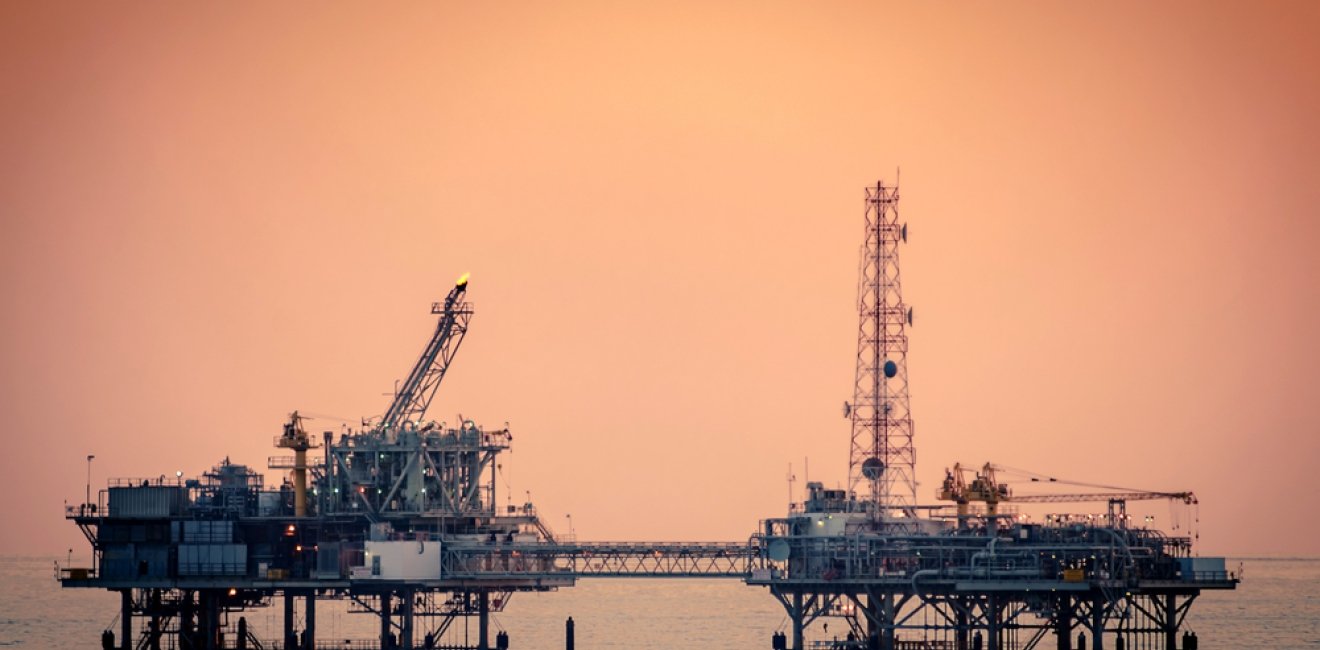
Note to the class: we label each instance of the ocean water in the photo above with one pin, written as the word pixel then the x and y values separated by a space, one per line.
pixel 1277 606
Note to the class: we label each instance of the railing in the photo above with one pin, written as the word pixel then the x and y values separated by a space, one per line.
pixel 1207 576
pixel 157 481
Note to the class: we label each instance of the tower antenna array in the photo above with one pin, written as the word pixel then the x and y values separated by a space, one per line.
pixel 882 457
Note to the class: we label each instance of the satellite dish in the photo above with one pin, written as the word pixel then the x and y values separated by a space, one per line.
pixel 872 468
pixel 909 315
pixel 847 409
pixel 778 550
pixel 891 369
pixel 905 233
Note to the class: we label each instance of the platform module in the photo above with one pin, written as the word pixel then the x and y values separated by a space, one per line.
pixel 892 573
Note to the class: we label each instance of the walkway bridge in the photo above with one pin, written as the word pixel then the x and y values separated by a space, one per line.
pixel 600 560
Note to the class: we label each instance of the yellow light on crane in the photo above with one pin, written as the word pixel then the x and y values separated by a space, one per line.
pixel 462 280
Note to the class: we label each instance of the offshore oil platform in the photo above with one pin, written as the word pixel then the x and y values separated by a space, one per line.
pixel 399 518
pixel 903 575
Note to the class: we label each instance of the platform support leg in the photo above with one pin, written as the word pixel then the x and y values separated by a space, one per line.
pixel 887 632
pixel 1063 617
pixel 406 604
pixel 1098 623
pixel 290 641
pixel 126 619
pixel 960 635
pixel 1170 622
pixel 309 625
pixel 211 609
pixel 483 620
pixel 187 622
pixel 797 616
pixel 385 606
pixel 992 622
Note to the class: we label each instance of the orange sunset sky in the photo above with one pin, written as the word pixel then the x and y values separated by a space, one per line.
pixel 216 213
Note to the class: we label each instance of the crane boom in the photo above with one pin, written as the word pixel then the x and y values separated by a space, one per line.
pixel 414 396
pixel 1185 497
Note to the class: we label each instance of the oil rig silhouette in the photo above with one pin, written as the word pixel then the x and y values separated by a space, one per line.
pixel 399 518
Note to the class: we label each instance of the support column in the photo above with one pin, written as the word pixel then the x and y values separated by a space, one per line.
pixel 960 640
pixel 385 606
pixel 1098 623
pixel 290 641
pixel 992 622
pixel 483 620
pixel 797 621
pixel 872 615
pixel 126 619
pixel 406 604
pixel 154 638
pixel 887 630
pixel 211 603
pixel 187 621
pixel 309 625
pixel 1170 622
pixel 1063 616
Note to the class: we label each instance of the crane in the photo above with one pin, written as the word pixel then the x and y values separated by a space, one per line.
pixel 414 395
pixel 986 488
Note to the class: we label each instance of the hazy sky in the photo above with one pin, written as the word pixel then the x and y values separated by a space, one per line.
pixel 216 213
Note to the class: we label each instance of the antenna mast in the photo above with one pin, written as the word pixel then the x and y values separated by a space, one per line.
pixel 882 455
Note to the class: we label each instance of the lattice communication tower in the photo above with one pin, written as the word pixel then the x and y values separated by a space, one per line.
pixel 882 456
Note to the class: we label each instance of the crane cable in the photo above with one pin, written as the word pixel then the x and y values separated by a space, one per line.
pixel 1039 477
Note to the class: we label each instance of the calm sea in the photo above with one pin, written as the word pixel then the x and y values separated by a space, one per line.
pixel 1277 606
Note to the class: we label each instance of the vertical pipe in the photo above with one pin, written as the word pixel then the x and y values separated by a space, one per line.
pixel 569 634
pixel 300 482
pixel 327 488
pixel 126 619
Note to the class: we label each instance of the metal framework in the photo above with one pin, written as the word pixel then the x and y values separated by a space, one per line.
pixel 906 576
pixel 882 455
pixel 1006 589
pixel 602 560
pixel 415 395
pixel 401 521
